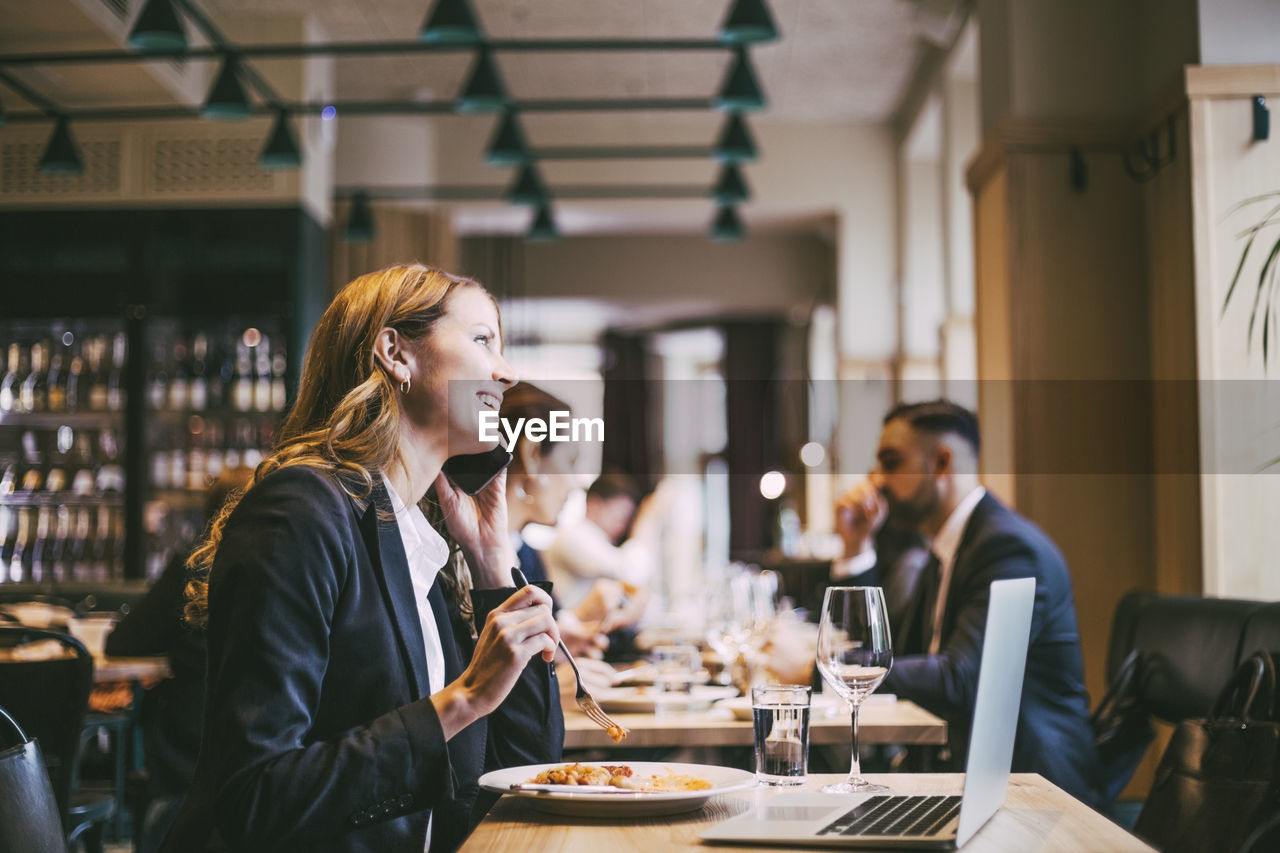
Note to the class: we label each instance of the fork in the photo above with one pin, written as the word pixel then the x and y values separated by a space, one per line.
pixel 586 702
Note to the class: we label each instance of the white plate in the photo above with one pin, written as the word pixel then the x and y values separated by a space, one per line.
pixel 628 804
pixel 644 674
pixel 821 706
pixel 640 700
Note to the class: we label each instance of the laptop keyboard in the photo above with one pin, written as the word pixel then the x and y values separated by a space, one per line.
pixel 896 815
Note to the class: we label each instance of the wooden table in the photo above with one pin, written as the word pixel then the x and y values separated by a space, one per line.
pixel 1038 817
pixel 899 722
pixel 144 669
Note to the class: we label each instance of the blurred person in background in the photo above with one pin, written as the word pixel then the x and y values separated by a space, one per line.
pixel 171 711
pixel 880 549
pixel 592 548
pixel 927 473
pixel 539 481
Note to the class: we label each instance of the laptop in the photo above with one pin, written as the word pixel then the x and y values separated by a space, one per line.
pixel 919 821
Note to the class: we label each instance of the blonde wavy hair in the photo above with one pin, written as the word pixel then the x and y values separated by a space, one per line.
pixel 346 420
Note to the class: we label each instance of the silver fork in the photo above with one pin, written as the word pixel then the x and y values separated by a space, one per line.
pixel 586 702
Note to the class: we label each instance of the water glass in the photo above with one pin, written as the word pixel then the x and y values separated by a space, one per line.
pixel 781 718
pixel 675 668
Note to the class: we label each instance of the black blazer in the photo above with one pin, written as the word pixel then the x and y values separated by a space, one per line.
pixel 1053 738
pixel 317 736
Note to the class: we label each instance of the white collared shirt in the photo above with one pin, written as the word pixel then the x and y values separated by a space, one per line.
pixel 426 552
pixel 945 545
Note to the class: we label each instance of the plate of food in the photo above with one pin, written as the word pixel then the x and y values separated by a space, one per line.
pixel 635 789
pixel 642 699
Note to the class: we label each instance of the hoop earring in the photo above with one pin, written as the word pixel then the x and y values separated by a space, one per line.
pixel 405 385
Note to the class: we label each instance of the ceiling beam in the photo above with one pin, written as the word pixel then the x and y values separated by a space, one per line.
pixel 402 107
pixel 495 192
pixel 365 48
pixel 215 36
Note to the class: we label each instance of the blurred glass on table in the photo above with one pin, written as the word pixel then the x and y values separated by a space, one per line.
pixel 675 670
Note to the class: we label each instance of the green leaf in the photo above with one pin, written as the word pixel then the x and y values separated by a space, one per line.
pixel 1244 256
pixel 1262 286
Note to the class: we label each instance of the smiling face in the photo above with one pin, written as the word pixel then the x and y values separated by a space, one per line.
pixel 460 372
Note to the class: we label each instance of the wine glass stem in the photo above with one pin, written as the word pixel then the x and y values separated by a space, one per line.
pixel 855 766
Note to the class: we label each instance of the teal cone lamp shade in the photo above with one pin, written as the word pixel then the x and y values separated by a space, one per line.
pixel 157 28
pixel 450 22
pixel 543 229
pixel 507 148
pixel 528 188
pixel 730 188
pixel 740 90
pixel 735 144
pixel 227 100
pixel 61 156
pixel 484 92
pixel 727 227
pixel 281 150
pixel 748 21
pixel 360 221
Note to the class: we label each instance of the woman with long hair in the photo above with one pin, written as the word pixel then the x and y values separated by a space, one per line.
pixel 368 654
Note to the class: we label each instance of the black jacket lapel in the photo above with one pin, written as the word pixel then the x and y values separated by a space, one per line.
pixel 386 550
pixel 960 568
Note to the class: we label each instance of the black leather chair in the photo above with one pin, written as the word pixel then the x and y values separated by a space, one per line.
pixel 29 820
pixel 1188 647
pixel 50 698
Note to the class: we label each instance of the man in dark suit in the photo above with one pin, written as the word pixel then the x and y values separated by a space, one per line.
pixel 926 473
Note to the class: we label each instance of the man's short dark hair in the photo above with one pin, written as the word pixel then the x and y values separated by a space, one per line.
pixel 940 417
pixel 613 484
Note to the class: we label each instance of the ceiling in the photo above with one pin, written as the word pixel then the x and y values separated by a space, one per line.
pixel 837 61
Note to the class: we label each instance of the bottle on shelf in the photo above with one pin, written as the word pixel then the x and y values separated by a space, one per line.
pixel 56 382
pixel 20 556
pixel 110 472
pixel 115 379
pixel 262 372
pixel 179 376
pixel 11 382
pixel 199 383
pixel 242 387
pixel 73 387
pixel 40 544
pixel 76 553
pixel 158 380
pixel 35 385
pixel 96 380
pixel 58 566
pixel 33 461
pixel 279 396
pixel 55 479
pixel 83 465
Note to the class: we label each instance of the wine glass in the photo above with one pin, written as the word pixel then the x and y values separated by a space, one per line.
pixel 854 655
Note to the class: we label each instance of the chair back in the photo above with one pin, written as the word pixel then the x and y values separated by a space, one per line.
pixel 29 819
pixel 1189 647
pixel 49 699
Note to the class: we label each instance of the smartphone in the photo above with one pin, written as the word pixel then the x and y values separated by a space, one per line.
pixel 473 471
